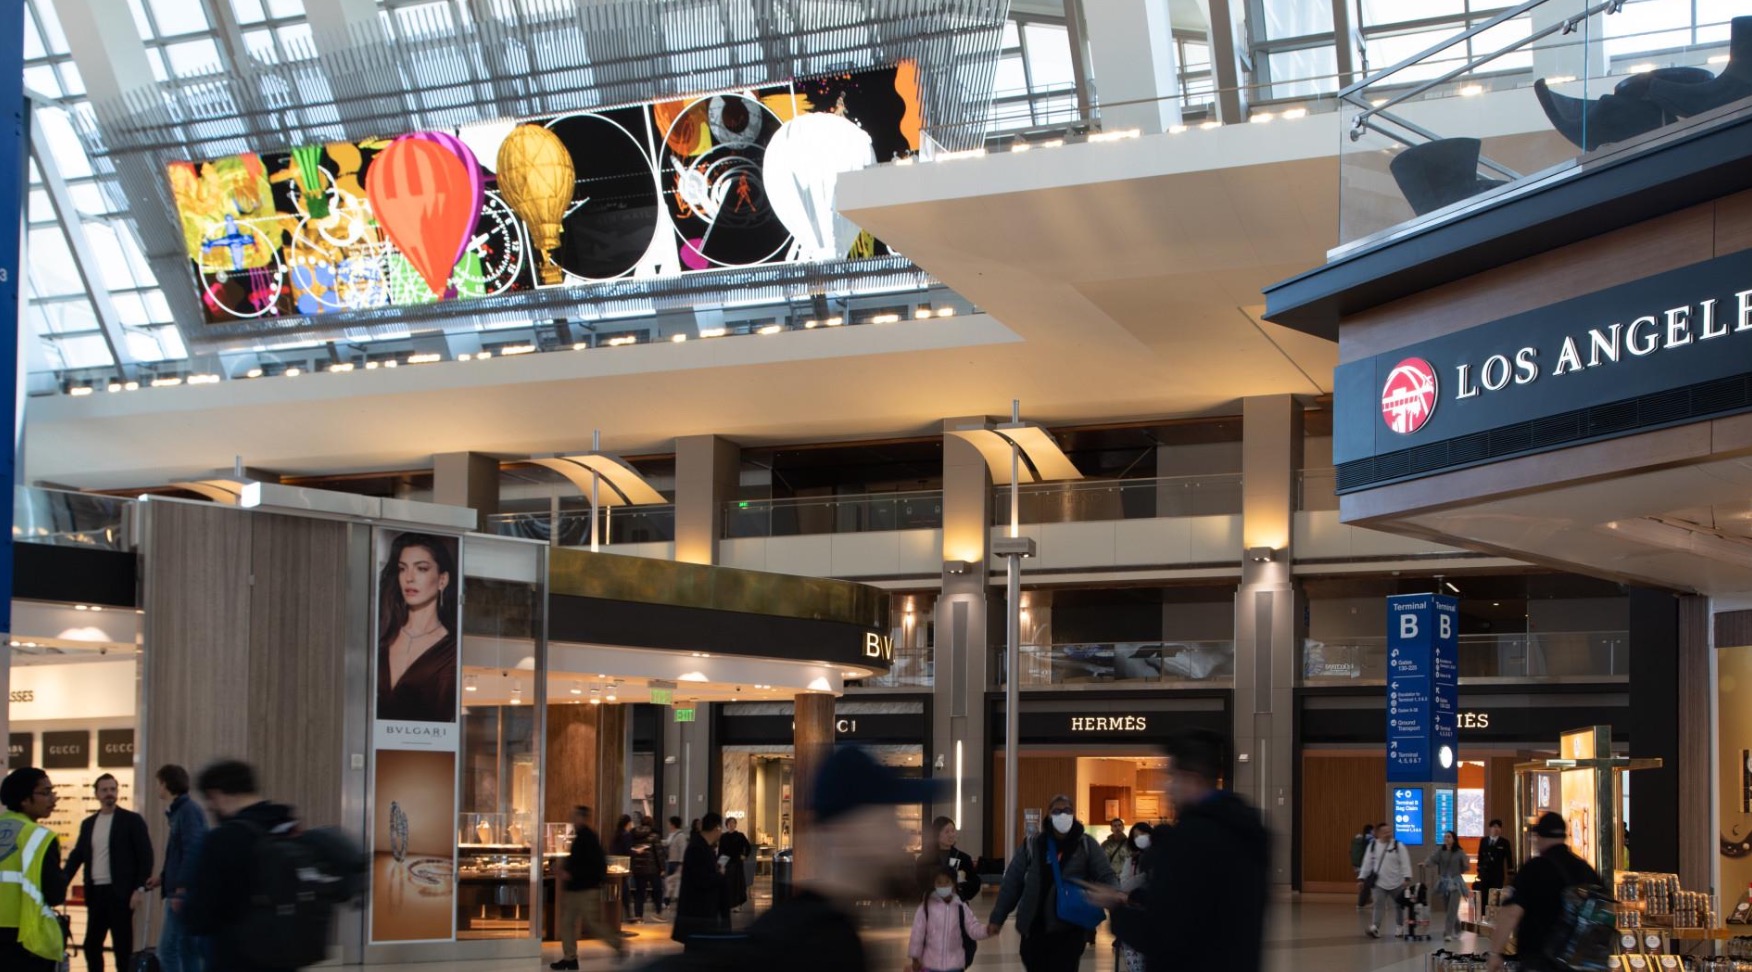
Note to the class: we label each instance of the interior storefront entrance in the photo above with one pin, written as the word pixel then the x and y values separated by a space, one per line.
pixel 1127 782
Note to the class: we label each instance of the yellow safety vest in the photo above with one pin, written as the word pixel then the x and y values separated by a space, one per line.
pixel 23 845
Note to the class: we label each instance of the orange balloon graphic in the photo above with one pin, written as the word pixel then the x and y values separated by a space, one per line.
pixel 422 196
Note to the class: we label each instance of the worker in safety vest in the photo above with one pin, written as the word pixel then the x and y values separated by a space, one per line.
pixel 31 883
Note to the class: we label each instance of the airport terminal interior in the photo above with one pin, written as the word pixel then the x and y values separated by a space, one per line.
pixel 642 404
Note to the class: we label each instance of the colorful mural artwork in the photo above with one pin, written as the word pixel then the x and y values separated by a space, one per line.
pixel 735 179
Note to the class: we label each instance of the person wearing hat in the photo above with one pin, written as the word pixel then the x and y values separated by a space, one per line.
pixel 1534 903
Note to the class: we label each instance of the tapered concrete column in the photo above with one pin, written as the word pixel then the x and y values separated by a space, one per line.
pixel 812 741
pixel 1268 619
pixel 707 473
pixel 962 658
pixel 1132 49
pixel 467 479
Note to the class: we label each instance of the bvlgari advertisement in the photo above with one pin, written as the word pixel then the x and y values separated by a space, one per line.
pixel 1734 712
pixel 414 730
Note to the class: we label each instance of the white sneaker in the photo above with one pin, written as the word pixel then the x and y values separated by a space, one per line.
pixel 1374 932
pixel 1447 938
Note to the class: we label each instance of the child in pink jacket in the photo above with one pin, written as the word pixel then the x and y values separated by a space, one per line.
pixel 936 931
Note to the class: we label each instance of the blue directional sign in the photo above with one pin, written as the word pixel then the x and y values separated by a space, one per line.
pixel 14 149
pixel 1408 815
pixel 1444 814
pixel 1422 688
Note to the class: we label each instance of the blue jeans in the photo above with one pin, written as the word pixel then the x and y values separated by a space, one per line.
pixel 177 949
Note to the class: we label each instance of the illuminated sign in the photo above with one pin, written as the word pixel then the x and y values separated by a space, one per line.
pixel 684 715
pixel 1445 813
pixel 1408 815
pixel 741 178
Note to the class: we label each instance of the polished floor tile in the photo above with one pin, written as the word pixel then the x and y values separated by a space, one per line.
pixel 1308 933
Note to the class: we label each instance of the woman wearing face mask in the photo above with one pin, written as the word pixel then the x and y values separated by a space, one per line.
pixel 1062 856
pixel 938 943
pixel 1132 880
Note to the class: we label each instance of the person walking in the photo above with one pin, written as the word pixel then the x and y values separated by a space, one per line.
pixel 220 888
pixel 177 949
pixel 1534 903
pixel 621 845
pixel 699 905
pixel 1496 858
pixel 647 872
pixel 1134 880
pixel 940 852
pixel 675 848
pixel 116 853
pixel 1385 872
pixel 31 881
pixel 733 850
pixel 1116 845
pixel 940 928
pixel 1359 849
pixel 1063 855
pixel 1204 906
pixel 1450 863
pixel 582 874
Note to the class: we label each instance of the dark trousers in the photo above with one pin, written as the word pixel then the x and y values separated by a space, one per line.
pixel 646 885
pixel 1364 893
pixel 1056 951
pixel 107 913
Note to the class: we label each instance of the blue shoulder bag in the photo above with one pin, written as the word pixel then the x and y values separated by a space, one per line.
pixel 1073 907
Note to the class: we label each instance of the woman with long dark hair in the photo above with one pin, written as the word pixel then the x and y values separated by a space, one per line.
pixel 1450 862
pixel 938 851
pixel 416 640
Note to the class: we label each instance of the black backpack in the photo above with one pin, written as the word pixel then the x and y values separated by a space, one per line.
pixel 297 877
pixel 1587 923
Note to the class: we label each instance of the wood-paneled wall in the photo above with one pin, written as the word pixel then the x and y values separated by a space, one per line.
pixel 1339 794
pixel 611 759
pixel 244 646
pixel 1038 780
pixel 811 742
pixel 571 764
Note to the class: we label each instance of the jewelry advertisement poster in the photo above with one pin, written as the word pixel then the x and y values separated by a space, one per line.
pixel 414 737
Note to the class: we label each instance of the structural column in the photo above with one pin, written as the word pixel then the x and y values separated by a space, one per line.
pixel 467 479
pixel 960 724
pixel 707 475
pixel 1267 619
pixel 613 739
pixel 812 741
pixel 1135 66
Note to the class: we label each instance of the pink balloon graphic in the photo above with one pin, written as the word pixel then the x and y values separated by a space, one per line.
pixel 693 254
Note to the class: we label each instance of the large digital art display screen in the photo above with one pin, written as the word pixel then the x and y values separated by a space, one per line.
pixel 736 179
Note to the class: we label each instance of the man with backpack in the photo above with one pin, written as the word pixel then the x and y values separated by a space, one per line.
pixel 1386 873
pixel 1550 930
pixel 264 888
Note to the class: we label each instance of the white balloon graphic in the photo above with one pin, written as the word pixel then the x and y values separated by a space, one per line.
pixel 803 159
pixel 483 139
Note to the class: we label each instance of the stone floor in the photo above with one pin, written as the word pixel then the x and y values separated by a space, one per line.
pixel 1312 933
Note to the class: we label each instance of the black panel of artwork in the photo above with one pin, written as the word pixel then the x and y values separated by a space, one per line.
pixel 614 211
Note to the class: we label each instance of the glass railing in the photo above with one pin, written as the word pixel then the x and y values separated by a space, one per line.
pixel 1546 655
pixel 1520 97
pixel 912 668
pixel 1121 499
pixel 625 524
pixel 68 519
pixel 855 513
pixel 1191 663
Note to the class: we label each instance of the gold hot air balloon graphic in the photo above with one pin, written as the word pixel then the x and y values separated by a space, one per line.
pixel 536 179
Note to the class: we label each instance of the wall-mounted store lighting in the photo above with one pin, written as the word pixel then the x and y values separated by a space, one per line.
pixel 1259 555
pixel 957 566
pixel 470 684
pixel 428 357
pixel 577 688
pixel 80 391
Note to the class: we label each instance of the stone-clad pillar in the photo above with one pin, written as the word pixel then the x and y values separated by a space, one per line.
pixel 812 741
pixel 961 655
pixel 707 474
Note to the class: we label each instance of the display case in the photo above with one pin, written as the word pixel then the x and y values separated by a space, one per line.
pixel 492 890
pixel 619 866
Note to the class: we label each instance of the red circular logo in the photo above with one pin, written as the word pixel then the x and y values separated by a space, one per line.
pixel 1409 397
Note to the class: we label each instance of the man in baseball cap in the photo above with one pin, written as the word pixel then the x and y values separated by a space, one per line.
pixel 1534 903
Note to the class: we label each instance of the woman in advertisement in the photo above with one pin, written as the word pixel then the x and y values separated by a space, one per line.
pixel 416 644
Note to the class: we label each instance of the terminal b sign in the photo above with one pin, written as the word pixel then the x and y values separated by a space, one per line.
pixel 1422 688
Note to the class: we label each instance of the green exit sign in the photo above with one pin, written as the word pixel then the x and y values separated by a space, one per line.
pixel 662 696
pixel 684 715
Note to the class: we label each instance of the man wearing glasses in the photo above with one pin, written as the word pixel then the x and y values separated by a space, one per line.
pixel 31 883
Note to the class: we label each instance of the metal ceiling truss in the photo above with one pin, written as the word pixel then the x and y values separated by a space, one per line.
pixel 538 57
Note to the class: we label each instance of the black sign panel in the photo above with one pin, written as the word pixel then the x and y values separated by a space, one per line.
pixel 875 727
pixel 20 749
pixel 633 624
pixel 1482 720
pixel 1112 724
pixel 67 750
pixel 115 748
pixel 1574 371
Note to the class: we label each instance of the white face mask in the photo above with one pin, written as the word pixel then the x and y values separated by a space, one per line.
pixel 945 893
pixel 1062 822
pixel 1143 841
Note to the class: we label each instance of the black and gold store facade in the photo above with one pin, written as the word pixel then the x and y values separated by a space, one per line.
pixel 1561 372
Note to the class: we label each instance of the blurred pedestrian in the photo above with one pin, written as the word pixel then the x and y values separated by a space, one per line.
pixel 733 850
pixel 1063 856
pixel 621 845
pixel 1134 880
pixel 1205 904
pixel 940 852
pixel 944 928
pixel 699 905
pixel 177 949
pixel 1386 872
pixel 1534 906
pixel 674 849
pixel 1450 862
pixel 582 874
pixel 1359 849
pixel 647 871
pixel 32 938
pixel 116 853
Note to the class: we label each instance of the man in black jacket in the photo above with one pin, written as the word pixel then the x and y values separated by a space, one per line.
pixel 219 887
pixel 116 852
pixel 1495 859
pixel 1534 904
pixel 582 875
pixel 700 908
pixel 1205 908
